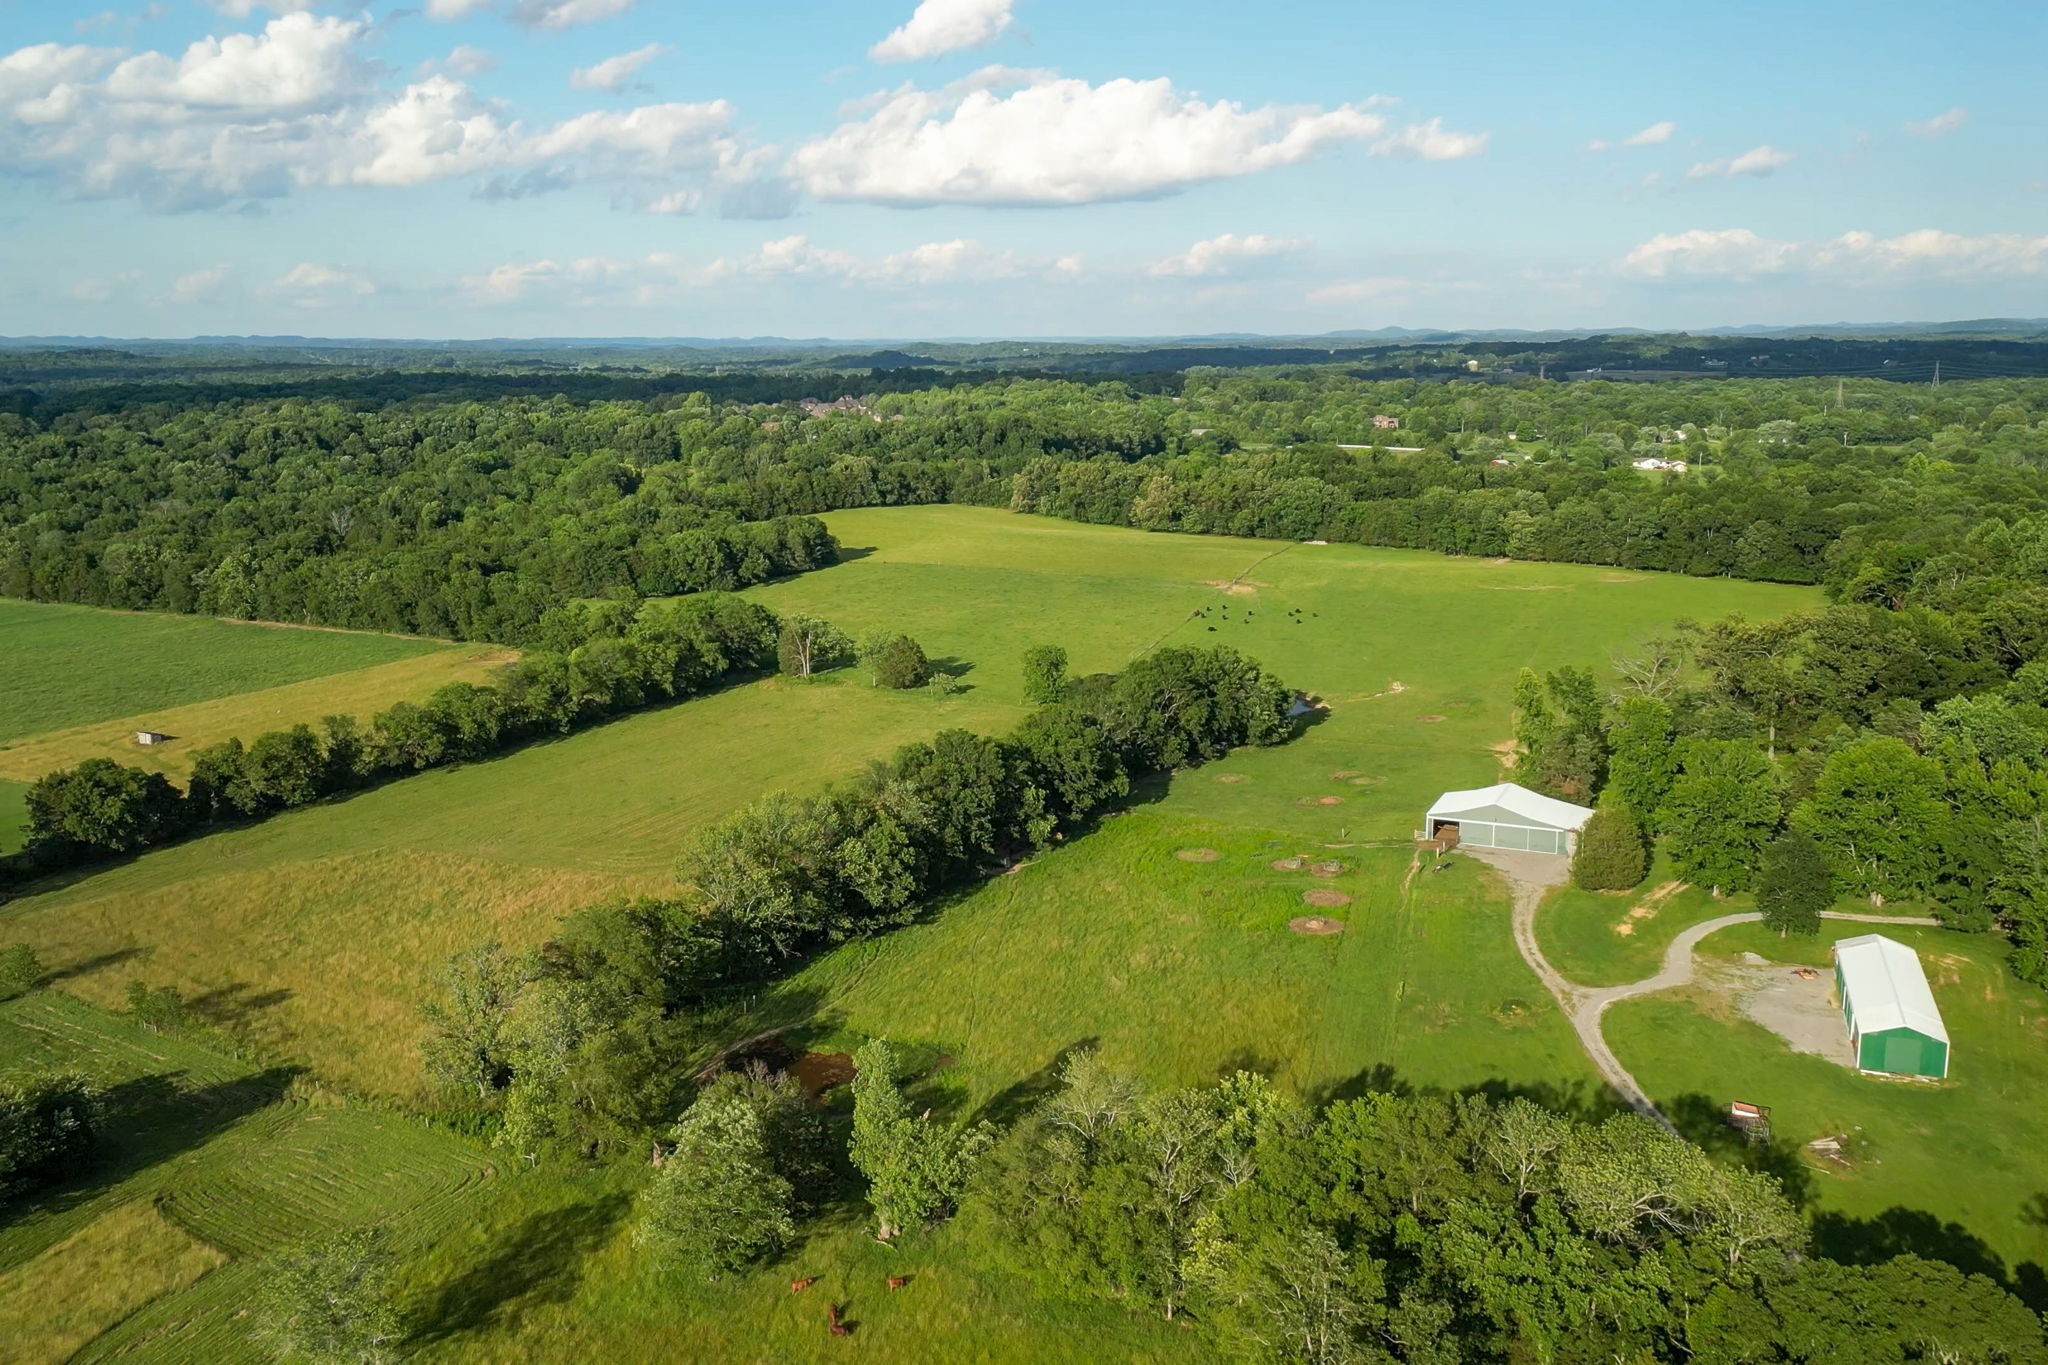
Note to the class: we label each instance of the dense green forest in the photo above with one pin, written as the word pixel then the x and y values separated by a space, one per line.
pixel 471 518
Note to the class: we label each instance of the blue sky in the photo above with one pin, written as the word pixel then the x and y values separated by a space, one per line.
pixel 476 168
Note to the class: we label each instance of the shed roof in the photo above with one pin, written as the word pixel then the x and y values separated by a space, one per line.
pixel 1535 807
pixel 1885 986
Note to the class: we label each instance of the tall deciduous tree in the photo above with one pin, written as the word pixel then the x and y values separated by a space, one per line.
pixel 1877 812
pixel 1643 760
pixel 1045 674
pixel 915 1168
pixel 808 645
pixel 1794 885
pixel 332 1302
pixel 718 1201
pixel 1720 812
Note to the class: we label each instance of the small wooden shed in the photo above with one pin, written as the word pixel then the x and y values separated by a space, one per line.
pixel 148 737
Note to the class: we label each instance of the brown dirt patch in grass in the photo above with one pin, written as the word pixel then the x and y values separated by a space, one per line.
pixel 1368 781
pixel 818 1072
pixel 1504 751
pixel 1231 779
pixel 1288 864
pixel 1231 586
pixel 1197 855
pixel 1621 578
pixel 1344 774
pixel 1429 720
pixel 1330 868
pixel 1324 898
pixel 1320 801
pixel 1316 925
pixel 1647 907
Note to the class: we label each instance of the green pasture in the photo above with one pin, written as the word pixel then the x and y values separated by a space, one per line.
pixel 1946 1168
pixel 62 666
pixel 13 815
pixel 312 937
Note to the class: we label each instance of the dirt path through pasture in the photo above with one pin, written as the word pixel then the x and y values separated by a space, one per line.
pixel 1531 876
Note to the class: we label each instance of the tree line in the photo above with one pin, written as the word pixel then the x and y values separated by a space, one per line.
pixel 1893 745
pixel 610 658
pixel 582 1048
pixel 471 518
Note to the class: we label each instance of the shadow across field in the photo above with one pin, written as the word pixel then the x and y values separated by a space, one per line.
pixel 1915 1232
pixel 152 1119
pixel 541 1260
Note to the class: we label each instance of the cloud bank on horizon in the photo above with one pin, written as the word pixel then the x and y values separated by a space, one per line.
pixel 975 167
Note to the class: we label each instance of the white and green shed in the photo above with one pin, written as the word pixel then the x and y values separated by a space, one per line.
pixel 1507 816
pixel 1894 1026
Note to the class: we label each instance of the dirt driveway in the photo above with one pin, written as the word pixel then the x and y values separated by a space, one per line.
pixel 1531 877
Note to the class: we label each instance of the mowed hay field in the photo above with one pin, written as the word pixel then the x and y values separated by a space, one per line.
pixel 361 692
pixel 64 666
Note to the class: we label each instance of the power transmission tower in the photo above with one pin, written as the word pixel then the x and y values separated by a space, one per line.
pixel 1937 374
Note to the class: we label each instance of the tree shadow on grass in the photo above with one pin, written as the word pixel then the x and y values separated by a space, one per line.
pixel 152 1119
pixel 1019 1098
pixel 539 1261
pixel 1703 1122
pixel 1915 1232
pixel 235 1003
pixel 85 966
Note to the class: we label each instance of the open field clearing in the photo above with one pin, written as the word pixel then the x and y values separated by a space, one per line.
pixel 64 666
pixel 1929 1164
pixel 315 933
pixel 244 715
pixel 1171 935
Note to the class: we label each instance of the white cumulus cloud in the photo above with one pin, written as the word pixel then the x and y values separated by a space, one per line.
pixel 1853 257
pixel 1004 136
pixel 937 27
pixel 298 105
pixel 198 284
pixel 1757 161
pixel 1942 124
pixel 448 11
pixel 566 13
pixel 615 73
pixel 1219 255
pixel 1656 135
pixel 309 285
pixel 1431 141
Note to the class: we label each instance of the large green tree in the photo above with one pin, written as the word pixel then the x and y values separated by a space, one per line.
pixel 915 1168
pixel 1878 814
pixel 1722 809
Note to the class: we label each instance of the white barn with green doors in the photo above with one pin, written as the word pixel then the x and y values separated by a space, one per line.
pixel 1894 1027
pixel 1507 816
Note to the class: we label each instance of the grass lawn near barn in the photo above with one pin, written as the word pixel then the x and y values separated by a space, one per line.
pixel 1946 1168
pixel 64 666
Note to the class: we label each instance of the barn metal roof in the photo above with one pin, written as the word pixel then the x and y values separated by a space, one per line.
pixel 1535 807
pixel 1886 988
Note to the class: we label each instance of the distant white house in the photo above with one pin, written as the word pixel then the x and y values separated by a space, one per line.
pixel 1506 816
pixel 150 737
pixel 1656 462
